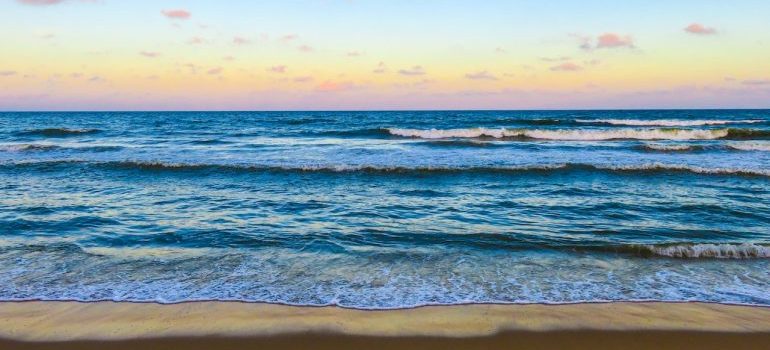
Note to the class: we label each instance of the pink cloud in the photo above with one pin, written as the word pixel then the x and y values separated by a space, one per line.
pixel 305 48
pixel 330 86
pixel 40 2
pixel 482 75
pixel 699 29
pixel 241 41
pixel 196 40
pixel 228 58
pixel 7 73
pixel 612 40
pixel 289 37
pixel 415 70
pixel 555 59
pixel 214 71
pixel 305 79
pixel 149 54
pixel 277 69
pixel 177 14
pixel 566 67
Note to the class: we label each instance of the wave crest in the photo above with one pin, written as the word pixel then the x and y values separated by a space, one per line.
pixel 666 122
pixel 713 251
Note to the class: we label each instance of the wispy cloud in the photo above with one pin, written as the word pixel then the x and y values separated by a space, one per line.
pixel 278 69
pixel 567 67
pixel 415 70
pixel 214 71
pixel 7 73
pixel 177 14
pixel 500 50
pixel 289 37
pixel 482 75
pixel 305 79
pixel 149 54
pixel 381 68
pixel 353 54
pixel 756 82
pixel 699 29
pixel 40 2
pixel 305 48
pixel 196 40
pixel 555 59
pixel 237 40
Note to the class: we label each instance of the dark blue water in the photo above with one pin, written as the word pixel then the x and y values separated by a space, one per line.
pixel 386 209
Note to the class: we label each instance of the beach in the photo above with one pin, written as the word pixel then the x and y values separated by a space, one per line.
pixel 224 325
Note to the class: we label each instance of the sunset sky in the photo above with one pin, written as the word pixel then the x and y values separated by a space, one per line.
pixel 395 54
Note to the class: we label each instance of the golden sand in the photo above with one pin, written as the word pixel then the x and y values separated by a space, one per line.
pixel 69 321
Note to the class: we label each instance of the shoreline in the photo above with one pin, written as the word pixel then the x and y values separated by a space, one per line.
pixel 224 325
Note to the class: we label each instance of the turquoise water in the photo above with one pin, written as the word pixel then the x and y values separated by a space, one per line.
pixel 386 209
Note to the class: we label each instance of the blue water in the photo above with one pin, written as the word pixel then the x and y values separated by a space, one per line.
pixel 386 209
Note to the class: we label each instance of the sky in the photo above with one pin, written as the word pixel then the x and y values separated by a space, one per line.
pixel 383 55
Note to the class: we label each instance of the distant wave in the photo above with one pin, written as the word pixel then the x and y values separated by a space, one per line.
pixel 27 147
pixel 666 122
pixel 713 251
pixel 663 147
pixel 583 135
pixel 398 169
pixel 750 146
pixel 57 132
pixel 44 147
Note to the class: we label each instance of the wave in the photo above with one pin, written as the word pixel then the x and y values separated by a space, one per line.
pixel 662 147
pixel 57 132
pixel 750 146
pixel 667 122
pixel 371 168
pixel 27 147
pixel 712 251
pixel 583 135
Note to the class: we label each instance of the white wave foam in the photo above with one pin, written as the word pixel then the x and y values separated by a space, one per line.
pixel 750 146
pixel 716 251
pixel 667 122
pixel 566 135
pixel 668 147
pixel 26 147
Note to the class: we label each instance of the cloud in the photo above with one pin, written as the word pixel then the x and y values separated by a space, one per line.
pixel 353 54
pixel 756 82
pixel 381 68
pixel 277 69
pixel 612 40
pixel 482 75
pixel 214 71
pixel 289 37
pixel 331 86
pixel 699 29
pixel 196 40
pixel 40 2
pixel 149 54
pixel 305 79
pixel 566 67
pixel 228 58
pixel 237 40
pixel 555 59
pixel 7 73
pixel 500 50
pixel 415 70
pixel 305 48
pixel 177 14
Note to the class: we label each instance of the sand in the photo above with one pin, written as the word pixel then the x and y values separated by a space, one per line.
pixel 226 325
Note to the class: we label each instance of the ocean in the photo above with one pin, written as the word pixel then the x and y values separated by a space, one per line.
pixel 380 210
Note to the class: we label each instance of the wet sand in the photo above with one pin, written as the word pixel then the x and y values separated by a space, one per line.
pixel 233 325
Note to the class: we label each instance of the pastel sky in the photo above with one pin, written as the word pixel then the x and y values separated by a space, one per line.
pixel 386 54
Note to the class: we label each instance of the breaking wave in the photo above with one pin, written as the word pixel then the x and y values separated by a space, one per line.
pixel 666 122
pixel 583 135
pixel 712 251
